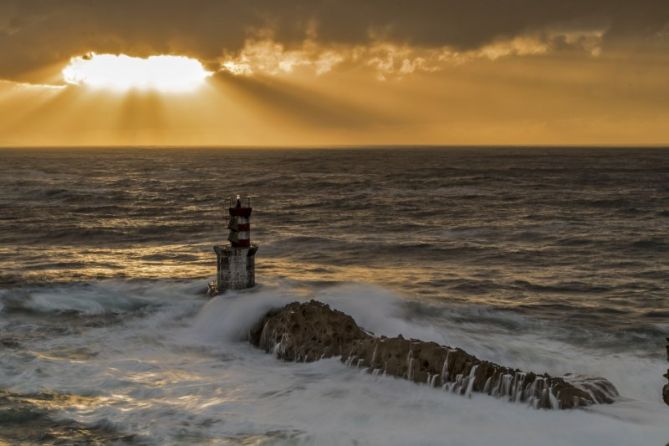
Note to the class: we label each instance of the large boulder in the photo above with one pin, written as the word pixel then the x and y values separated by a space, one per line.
pixel 307 332
pixel 665 389
pixel 312 330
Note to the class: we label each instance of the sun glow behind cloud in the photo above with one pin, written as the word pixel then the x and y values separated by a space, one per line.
pixel 547 85
pixel 122 72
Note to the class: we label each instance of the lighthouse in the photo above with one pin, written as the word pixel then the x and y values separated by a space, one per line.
pixel 235 263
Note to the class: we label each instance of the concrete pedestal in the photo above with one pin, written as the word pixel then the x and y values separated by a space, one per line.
pixel 235 267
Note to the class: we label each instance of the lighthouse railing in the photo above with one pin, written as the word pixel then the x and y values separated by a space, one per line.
pixel 246 202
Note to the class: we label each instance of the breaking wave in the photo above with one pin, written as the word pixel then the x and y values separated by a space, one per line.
pixel 176 367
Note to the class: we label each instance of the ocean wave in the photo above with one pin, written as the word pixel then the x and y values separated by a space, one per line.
pixel 651 244
pixel 184 373
pixel 561 287
pixel 36 419
pixel 85 300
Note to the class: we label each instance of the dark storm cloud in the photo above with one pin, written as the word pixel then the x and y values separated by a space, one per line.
pixel 35 34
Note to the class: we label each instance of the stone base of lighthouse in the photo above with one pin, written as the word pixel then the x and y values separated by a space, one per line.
pixel 235 268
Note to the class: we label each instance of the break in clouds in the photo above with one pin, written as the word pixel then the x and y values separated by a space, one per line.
pixel 274 36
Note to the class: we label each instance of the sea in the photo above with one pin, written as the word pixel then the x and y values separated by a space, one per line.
pixel 547 259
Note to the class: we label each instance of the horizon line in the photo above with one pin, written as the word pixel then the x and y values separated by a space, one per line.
pixel 336 146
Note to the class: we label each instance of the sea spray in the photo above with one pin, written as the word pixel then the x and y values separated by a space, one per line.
pixel 180 368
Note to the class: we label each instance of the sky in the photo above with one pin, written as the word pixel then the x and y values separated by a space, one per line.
pixel 333 72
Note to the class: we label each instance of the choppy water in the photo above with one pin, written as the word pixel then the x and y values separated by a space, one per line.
pixel 553 260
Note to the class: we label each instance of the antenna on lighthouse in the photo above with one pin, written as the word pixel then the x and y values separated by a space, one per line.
pixel 235 263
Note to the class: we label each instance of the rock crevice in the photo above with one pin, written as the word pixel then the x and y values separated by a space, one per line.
pixel 665 389
pixel 312 330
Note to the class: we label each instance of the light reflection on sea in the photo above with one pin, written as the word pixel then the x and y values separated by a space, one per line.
pixel 562 234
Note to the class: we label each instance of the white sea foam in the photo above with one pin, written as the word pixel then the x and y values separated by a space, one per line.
pixel 104 297
pixel 184 371
pixel 229 317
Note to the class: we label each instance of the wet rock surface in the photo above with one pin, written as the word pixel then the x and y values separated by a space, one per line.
pixel 665 389
pixel 312 330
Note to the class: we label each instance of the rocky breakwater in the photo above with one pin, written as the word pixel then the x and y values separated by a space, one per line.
pixel 665 389
pixel 312 330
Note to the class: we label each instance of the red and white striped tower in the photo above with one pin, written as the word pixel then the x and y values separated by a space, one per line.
pixel 240 224
pixel 235 265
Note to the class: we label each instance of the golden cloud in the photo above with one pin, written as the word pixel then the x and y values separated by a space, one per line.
pixel 387 59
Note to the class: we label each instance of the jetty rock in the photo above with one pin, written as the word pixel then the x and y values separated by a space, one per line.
pixel 665 389
pixel 309 331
